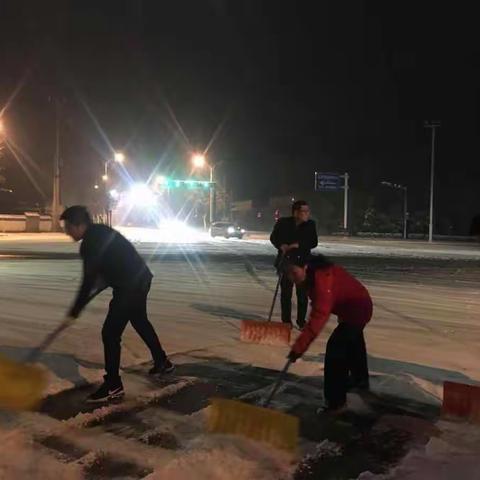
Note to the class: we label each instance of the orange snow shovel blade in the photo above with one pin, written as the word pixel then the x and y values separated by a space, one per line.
pixel 258 423
pixel 21 385
pixel 265 333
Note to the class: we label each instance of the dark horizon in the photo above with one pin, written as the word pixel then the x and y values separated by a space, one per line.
pixel 289 90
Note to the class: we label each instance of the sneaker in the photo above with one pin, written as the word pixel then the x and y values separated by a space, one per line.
pixel 162 368
pixel 107 391
pixel 301 325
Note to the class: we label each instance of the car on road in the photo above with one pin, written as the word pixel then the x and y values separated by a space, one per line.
pixel 227 230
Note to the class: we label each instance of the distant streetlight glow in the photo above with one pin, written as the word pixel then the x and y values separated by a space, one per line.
pixel 96 187
pixel 199 160
pixel 119 157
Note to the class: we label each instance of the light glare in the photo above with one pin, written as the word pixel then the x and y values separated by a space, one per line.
pixel 199 160
pixel 140 195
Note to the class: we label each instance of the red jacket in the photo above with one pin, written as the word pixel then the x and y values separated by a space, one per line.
pixel 334 290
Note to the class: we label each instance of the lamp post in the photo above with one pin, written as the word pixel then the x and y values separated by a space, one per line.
pixel 397 186
pixel 199 161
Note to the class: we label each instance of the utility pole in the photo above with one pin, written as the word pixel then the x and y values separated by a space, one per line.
pixel 213 193
pixel 56 200
pixel 433 125
pixel 345 202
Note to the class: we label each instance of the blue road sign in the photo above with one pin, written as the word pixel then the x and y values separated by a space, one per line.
pixel 331 182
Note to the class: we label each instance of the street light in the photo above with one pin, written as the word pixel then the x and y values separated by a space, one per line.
pixel 119 157
pixel 199 161
pixel 397 186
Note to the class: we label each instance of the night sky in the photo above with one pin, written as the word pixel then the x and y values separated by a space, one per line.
pixel 288 87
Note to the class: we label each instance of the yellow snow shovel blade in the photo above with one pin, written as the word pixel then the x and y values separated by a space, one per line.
pixel 21 385
pixel 258 423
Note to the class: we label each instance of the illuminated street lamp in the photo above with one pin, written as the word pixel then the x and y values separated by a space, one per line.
pixel 96 187
pixel 199 161
pixel 119 157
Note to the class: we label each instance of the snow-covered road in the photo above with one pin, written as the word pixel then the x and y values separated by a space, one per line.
pixel 425 328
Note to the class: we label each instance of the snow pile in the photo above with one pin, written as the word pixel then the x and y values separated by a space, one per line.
pixel 222 457
pixel 19 459
pixel 454 453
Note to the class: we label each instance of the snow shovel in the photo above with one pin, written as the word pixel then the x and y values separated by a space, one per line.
pixel 21 384
pixel 256 422
pixel 267 333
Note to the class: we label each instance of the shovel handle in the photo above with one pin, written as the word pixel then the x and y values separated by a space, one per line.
pixel 37 351
pixel 280 276
pixel 277 384
pixel 274 297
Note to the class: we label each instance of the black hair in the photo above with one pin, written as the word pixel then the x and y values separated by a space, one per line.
pixel 76 215
pixel 298 205
pixel 314 262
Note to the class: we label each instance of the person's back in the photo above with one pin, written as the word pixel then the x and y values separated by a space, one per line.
pixel 349 297
pixel 116 259
pixel 334 290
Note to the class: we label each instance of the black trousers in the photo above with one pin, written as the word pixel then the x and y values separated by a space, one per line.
pixel 286 287
pixel 345 363
pixel 128 306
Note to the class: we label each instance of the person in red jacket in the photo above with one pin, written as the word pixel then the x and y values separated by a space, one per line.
pixel 333 290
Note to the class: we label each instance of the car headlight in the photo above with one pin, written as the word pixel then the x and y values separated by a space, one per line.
pixel 242 230
pixel 230 230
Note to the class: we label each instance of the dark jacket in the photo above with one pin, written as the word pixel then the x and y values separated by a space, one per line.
pixel 109 260
pixel 333 290
pixel 287 232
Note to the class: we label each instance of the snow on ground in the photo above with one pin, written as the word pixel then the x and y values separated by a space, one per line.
pixel 222 457
pixel 425 327
pixel 19 459
pixel 453 453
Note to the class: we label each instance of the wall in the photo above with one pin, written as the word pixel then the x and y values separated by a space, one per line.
pixel 28 222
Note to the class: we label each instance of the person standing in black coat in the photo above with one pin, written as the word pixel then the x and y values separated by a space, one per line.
pixel 295 232
pixel 110 260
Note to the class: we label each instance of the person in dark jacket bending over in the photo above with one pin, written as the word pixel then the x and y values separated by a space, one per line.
pixel 295 232
pixel 333 290
pixel 110 260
